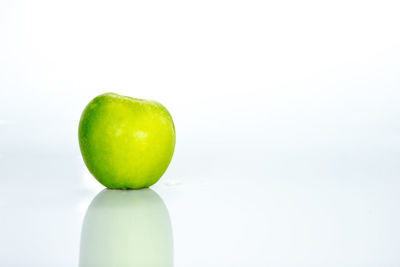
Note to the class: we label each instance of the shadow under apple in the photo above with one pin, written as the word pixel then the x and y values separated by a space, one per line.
pixel 126 228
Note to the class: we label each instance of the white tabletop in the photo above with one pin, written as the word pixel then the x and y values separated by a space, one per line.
pixel 282 211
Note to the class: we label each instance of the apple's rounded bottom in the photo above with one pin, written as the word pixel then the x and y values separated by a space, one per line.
pixel 127 188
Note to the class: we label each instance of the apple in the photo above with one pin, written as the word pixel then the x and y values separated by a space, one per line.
pixel 126 143
pixel 126 228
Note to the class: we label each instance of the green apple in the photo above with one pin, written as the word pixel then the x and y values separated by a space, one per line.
pixel 126 228
pixel 126 143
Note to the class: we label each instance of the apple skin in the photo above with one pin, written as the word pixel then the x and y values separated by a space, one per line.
pixel 126 143
pixel 126 228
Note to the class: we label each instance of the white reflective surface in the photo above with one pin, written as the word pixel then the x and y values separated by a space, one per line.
pixel 335 213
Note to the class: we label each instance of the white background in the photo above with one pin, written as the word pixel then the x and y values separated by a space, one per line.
pixel 286 113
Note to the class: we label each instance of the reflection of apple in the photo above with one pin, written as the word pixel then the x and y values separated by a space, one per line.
pixel 126 143
pixel 126 228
